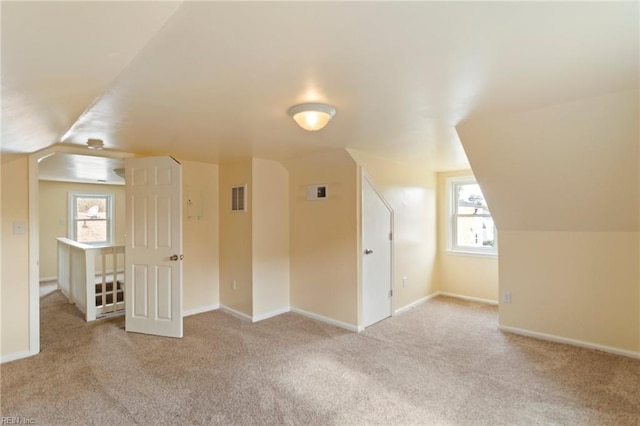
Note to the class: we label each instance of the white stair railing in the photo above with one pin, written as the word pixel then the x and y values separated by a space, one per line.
pixel 109 291
pixel 94 293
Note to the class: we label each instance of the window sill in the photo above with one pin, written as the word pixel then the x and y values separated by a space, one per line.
pixel 471 254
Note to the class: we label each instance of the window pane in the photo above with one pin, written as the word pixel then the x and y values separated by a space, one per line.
pixel 471 200
pixel 91 208
pixel 91 231
pixel 475 232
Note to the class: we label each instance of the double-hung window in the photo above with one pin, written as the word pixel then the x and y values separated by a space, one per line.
pixel 471 227
pixel 91 218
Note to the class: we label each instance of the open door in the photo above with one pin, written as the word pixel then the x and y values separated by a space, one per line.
pixel 376 262
pixel 153 251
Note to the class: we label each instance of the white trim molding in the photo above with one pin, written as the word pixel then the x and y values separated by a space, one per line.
pixel 34 251
pixel 72 220
pixel 450 252
pixel 442 293
pixel 327 320
pixel 16 356
pixel 453 183
pixel 34 232
pixel 235 313
pixel 468 298
pixel 567 341
pixel 271 314
pixel 200 310
pixel 415 304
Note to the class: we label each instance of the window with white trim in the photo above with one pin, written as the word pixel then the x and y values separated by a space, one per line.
pixel 91 218
pixel 471 227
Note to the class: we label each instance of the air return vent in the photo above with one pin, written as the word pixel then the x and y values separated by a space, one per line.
pixel 239 198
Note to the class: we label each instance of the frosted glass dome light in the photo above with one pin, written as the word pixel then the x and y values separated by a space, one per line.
pixel 312 116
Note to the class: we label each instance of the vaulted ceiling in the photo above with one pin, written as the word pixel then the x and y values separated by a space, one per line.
pixel 208 81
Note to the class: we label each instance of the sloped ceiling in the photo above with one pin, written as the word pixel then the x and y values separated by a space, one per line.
pixel 207 81
pixel 67 167
pixel 60 57
pixel 571 167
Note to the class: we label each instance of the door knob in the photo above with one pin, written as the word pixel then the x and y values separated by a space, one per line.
pixel 173 258
pixel 368 251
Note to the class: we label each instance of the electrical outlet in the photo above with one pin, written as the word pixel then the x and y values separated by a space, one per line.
pixel 506 297
pixel 234 285
pixel 404 282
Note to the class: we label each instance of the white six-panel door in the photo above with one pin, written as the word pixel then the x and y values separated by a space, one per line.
pixel 376 256
pixel 153 272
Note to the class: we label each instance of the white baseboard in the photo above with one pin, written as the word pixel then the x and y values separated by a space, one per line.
pixel 46 279
pixel 16 356
pixel 468 298
pixel 327 320
pixel 579 343
pixel 271 314
pixel 415 304
pixel 235 313
pixel 200 310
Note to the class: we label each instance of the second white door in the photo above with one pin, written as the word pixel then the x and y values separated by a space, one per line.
pixel 376 256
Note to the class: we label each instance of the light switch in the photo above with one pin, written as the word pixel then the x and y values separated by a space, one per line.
pixel 19 227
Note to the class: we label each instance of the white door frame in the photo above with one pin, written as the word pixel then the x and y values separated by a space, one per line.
pixel 364 176
pixel 34 230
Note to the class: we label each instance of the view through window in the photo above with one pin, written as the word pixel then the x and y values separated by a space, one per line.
pixel 90 219
pixel 472 227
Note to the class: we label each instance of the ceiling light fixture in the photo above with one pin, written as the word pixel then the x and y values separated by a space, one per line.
pixel 95 144
pixel 312 116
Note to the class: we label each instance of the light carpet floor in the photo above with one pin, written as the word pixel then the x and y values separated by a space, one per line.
pixel 48 287
pixel 443 363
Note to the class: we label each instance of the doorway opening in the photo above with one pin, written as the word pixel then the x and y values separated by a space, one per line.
pixel 67 156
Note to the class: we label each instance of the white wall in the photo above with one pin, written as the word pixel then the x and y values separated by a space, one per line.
pixel 54 215
pixel 411 192
pixel 201 269
pixel 577 285
pixel 564 188
pixel 270 238
pixel 14 287
pixel 255 244
pixel 236 239
pixel 460 274
pixel 323 237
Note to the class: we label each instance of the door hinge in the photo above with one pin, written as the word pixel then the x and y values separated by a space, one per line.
pixel 391 293
pixel 390 236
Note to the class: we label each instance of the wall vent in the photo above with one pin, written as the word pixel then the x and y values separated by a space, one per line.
pixel 239 198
